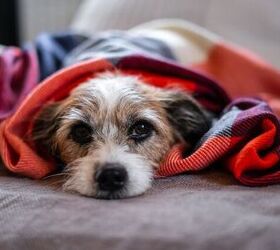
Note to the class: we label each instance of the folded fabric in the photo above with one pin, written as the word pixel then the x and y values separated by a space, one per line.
pixel 18 152
pixel 53 48
pixel 245 139
pixel 18 76
pixel 22 69
pixel 239 72
pixel 118 43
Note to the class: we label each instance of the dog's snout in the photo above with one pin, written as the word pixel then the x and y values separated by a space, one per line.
pixel 111 177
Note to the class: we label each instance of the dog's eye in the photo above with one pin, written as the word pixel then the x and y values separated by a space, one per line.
pixel 140 131
pixel 81 133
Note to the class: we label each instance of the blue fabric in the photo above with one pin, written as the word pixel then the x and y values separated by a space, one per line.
pixel 52 49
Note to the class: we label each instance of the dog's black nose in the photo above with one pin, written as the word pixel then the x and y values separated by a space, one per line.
pixel 111 177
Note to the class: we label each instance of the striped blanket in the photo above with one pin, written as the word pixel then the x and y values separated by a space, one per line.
pixel 241 89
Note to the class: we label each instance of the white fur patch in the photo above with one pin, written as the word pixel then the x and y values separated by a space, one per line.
pixel 139 171
pixel 75 115
pixel 110 90
pixel 150 115
pixel 81 177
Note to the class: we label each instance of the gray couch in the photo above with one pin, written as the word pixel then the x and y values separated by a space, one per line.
pixel 206 210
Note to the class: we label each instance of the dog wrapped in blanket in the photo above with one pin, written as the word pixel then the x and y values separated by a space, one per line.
pixel 114 129
pixel 123 111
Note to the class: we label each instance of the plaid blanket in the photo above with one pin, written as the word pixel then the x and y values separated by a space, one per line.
pixel 222 77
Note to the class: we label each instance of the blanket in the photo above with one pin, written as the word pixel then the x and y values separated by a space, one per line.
pixel 221 76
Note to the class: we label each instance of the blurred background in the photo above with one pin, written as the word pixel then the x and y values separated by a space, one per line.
pixel 254 24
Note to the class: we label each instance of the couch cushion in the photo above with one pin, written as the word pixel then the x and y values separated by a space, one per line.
pixel 200 211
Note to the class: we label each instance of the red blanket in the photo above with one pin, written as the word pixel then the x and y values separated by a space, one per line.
pixel 245 139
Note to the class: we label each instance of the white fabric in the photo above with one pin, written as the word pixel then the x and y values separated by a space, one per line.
pixel 190 43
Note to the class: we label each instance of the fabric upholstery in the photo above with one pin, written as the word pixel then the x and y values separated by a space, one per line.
pixel 203 211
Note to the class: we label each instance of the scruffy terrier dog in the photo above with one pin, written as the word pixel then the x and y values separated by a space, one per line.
pixel 114 130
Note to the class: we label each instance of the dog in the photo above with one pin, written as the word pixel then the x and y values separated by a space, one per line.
pixel 114 130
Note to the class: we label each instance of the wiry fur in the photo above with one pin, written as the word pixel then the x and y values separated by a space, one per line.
pixel 110 103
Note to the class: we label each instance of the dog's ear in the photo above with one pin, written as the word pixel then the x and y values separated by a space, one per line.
pixel 44 128
pixel 186 115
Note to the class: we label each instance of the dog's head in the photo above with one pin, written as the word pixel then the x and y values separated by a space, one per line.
pixel 113 131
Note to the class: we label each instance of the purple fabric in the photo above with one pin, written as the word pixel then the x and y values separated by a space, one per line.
pixel 18 76
pixel 21 69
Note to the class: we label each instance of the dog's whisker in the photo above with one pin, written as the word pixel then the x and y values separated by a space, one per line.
pixel 55 175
